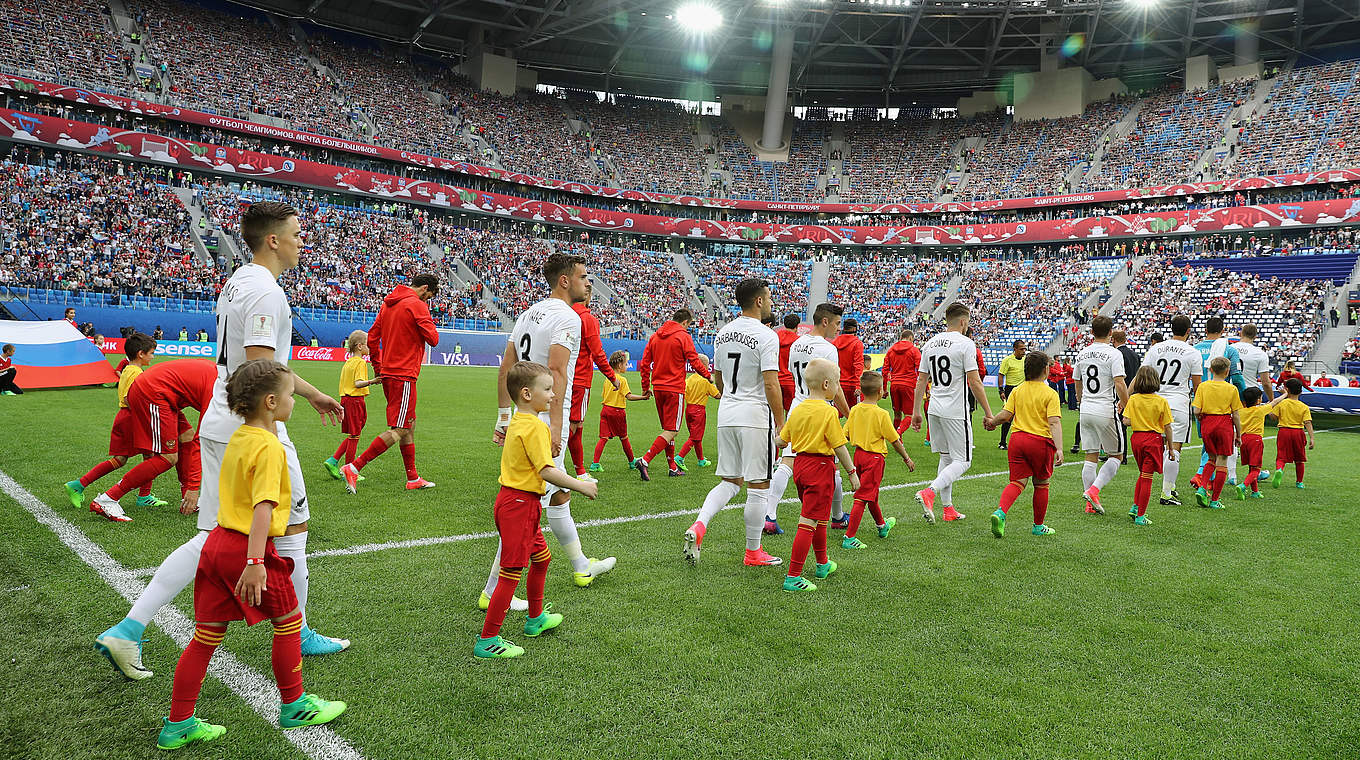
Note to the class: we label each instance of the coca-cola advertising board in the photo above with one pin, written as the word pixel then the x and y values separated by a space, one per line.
pixel 319 354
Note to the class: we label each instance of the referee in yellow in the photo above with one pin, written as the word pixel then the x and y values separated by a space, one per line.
pixel 1011 374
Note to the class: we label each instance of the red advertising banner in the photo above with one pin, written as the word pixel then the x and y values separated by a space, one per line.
pixel 93 97
pixel 319 353
pixel 193 156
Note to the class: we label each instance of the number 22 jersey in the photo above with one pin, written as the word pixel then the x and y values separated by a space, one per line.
pixel 947 359
pixel 550 322
pixel 1176 362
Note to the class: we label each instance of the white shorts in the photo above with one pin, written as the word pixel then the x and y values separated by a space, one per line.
pixel 952 437
pixel 746 453
pixel 1101 434
pixel 1180 425
pixel 212 453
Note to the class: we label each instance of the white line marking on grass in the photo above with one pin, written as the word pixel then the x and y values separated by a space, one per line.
pixel 257 691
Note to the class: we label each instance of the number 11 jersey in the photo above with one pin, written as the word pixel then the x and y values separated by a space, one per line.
pixel 947 359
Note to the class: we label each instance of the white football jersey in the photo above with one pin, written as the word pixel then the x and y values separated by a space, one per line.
pixel 550 322
pixel 1255 361
pixel 801 353
pixel 1177 364
pixel 252 310
pixel 947 359
pixel 743 350
pixel 1095 370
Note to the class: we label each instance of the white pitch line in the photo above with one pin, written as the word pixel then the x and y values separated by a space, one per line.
pixel 413 543
pixel 257 691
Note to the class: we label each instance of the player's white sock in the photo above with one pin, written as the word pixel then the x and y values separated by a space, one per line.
pixel 838 499
pixel 1088 474
pixel 173 576
pixel 754 514
pixel 1232 468
pixel 957 467
pixel 1170 470
pixel 939 483
pixel 718 497
pixel 295 548
pixel 494 577
pixel 778 484
pixel 1106 474
pixel 559 519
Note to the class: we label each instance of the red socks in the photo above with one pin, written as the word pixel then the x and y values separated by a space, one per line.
pixel 340 450
pixel 658 446
pixel 802 541
pixel 685 448
pixel 1009 494
pixel 538 577
pixel 192 668
pixel 286 657
pixel 1142 491
pixel 1253 478
pixel 1040 502
pixel 408 457
pixel 695 444
pixel 819 542
pixel 577 449
pixel 627 448
pixel 857 513
pixel 189 466
pixel 140 476
pixel 500 600
pixel 670 454
pixel 1220 478
pixel 599 450
pixel 373 451
pixel 98 471
pixel 1298 472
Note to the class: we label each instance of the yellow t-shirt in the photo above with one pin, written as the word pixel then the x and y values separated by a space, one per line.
pixel 813 428
pixel 1216 397
pixel 1148 412
pixel 528 449
pixel 355 369
pixel 1033 402
pixel 870 428
pixel 1293 413
pixel 1013 370
pixel 1253 419
pixel 254 470
pixel 698 390
pixel 617 398
pixel 130 372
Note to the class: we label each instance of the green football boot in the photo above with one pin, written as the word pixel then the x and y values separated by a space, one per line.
pixel 797 583
pixel 850 542
pixel 151 500
pixel 185 732
pixel 1201 497
pixel 825 570
pixel 1142 520
pixel 333 467
pixel 496 648
pixel 1241 491
pixel 309 710
pixel 595 467
pixel 547 621
pixel 999 524
pixel 886 527
pixel 1276 478
pixel 76 493
pixel 1042 530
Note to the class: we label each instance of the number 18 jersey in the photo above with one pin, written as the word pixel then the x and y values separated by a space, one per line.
pixel 1176 362
pixel 550 322
pixel 947 359
pixel 743 350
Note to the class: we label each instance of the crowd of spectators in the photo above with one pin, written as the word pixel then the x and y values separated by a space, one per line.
pixel 1296 132
pixel 1034 157
pixel 70 41
pixel 651 143
pixel 1351 352
pixel 531 135
pixel 880 291
pixel 893 160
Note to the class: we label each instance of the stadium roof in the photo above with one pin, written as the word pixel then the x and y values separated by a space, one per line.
pixel 847 52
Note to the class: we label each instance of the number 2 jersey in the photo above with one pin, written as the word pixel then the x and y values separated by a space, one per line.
pixel 947 359
pixel 801 354
pixel 1097 366
pixel 743 350
pixel 1177 363
pixel 550 322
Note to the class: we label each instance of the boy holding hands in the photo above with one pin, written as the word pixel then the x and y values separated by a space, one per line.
pixel 1217 404
pixel 1253 418
pixel 698 390
pixel 1295 418
pixel 870 430
pixel 1035 447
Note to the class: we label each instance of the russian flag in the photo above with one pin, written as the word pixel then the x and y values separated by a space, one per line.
pixel 54 354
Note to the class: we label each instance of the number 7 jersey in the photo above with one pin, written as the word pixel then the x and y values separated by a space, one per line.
pixel 743 351
pixel 947 359
pixel 550 322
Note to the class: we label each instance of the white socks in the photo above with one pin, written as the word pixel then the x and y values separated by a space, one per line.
pixel 1106 474
pixel 1232 468
pixel 778 485
pixel 295 548
pixel 492 579
pixel 838 498
pixel 1088 474
pixel 559 520
pixel 754 514
pixel 951 469
pixel 1170 470
pixel 173 576
pixel 719 497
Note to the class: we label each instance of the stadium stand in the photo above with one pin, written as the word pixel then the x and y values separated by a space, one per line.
pixel 722 268
pixel 880 291
pixel 1033 157
pixel 1295 134
pixel 68 41
pixel 651 143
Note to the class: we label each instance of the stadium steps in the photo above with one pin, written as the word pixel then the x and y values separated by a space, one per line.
pixel 186 199
pixel 692 284
pixel 1119 287
pixel 951 291
pixel 1117 132
pixel 819 287
pixel 488 294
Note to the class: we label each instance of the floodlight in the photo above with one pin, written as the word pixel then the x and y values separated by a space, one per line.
pixel 698 17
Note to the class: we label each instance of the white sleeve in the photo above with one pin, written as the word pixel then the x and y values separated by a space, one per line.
pixel 566 332
pixel 970 359
pixel 1197 364
pixel 769 355
pixel 265 319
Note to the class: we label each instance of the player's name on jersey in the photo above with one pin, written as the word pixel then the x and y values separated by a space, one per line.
pixel 750 341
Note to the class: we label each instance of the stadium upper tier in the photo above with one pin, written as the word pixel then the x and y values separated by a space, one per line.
pixel 358 90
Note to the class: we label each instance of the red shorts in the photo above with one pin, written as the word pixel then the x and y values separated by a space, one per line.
pixel 1030 456
pixel 1147 449
pixel 401 401
pixel 219 568
pixel 517 520
pixel 815 476
pixel 869 468
pixel 156 425
pixel 851 393
pixel 1216 431
pixel 1253 446
pixel 670 408
pixel 903 397
pixel 787 391
pixel 1291 445
pixel 356 414
pixel 580 399
pixel 696 419
pixel 613 422
pixel 122 438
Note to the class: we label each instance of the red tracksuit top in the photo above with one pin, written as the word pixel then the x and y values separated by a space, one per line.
pixel 902 362
pixel 180 384
pixel 850 355
pixel 664 359
pixel 592 350
pixel 786 339
pixel 397 339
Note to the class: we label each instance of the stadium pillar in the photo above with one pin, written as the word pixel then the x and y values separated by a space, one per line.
pixel 777 96
pixel 1246 45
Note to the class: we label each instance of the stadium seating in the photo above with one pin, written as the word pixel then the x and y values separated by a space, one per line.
pixel 725 267
pixel 1033 157
pixel 651 143
pixel 879 292
pixel 894 160
pixel 1296 133
pixel 67 41
pixel 1334 267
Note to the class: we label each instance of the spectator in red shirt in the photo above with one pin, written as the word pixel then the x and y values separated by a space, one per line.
pixel 901 364
pixel 663 368
pixel 1057 380
pixel 1324 382
pixel 1071 385
pixel 1289 372
pixel 8 372
pixel 850 353
pixel 787 335
pixel 396 345
pixel 592 355
pixel 1354 382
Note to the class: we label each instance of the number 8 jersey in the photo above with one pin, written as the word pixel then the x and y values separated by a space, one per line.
pixel 1097 366
pixel 550 322
pixel 947 359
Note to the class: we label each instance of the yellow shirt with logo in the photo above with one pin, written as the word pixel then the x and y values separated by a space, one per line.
pixel 870 428
pixel 355 369
pixel 698 390
pixel 1253 419
pixel 254 470
pixel 1148 413
pixel 813 428
pixel 1216 397
pixel 617 398
pixel 1293 413
pixel 528 449
pixel 1033 402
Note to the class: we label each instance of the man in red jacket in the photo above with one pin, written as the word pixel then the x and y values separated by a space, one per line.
pixel 396 345
pixel 663 369
pixel 901 364
pixel 592 350
pixel 787 335
pixel 850 353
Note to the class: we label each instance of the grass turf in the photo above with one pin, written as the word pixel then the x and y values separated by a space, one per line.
pixel 1209 634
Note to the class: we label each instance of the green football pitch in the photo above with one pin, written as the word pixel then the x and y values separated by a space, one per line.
pixel 1209 634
